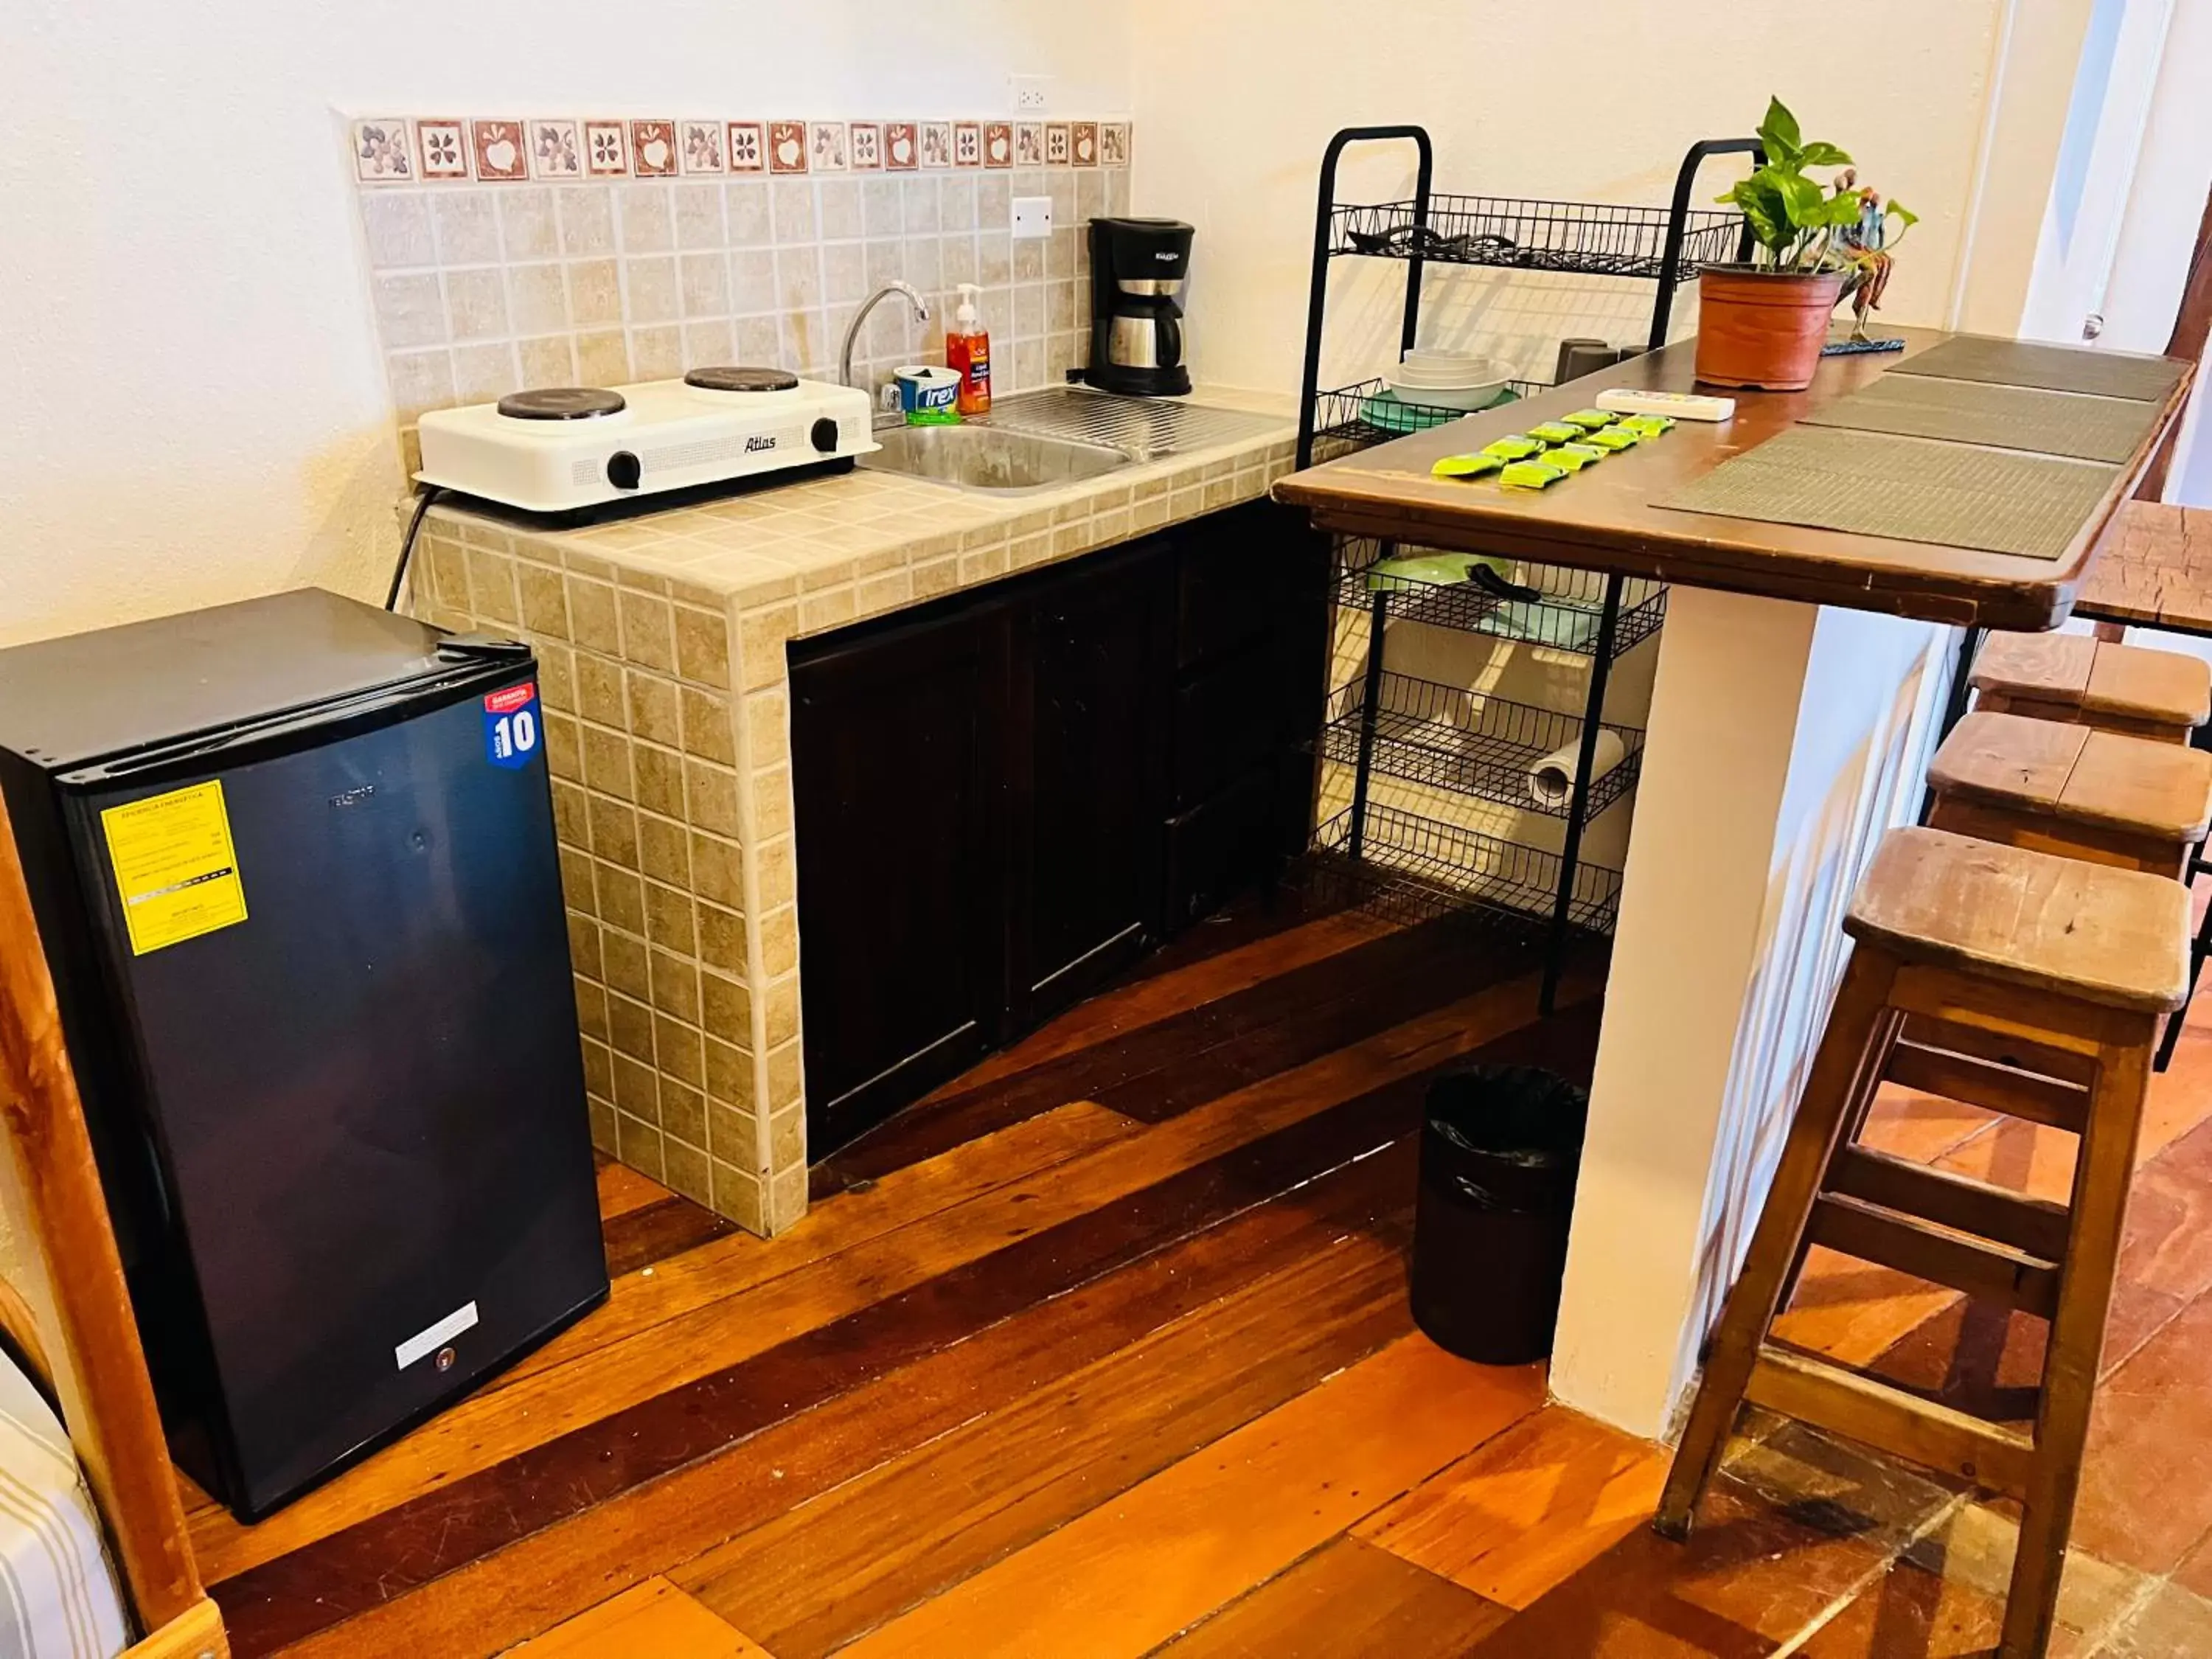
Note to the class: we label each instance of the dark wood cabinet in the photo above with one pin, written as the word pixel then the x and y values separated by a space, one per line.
pixel 1093 663
pixel 1251 655
pixel 1004 796
pixel 902 847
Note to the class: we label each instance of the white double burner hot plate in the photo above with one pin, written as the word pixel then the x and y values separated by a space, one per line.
pixel 564 447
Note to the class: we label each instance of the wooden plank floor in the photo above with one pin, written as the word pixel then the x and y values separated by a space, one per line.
pixel 1031 1329
pixel 1103 1349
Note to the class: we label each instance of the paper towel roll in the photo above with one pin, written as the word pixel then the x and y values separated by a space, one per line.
pixel 1552 780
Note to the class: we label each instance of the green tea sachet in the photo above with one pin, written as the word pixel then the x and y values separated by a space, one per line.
pixel 1514 446
pixel 1587 453
pixel 1531 475
pixel 1612 437
pixel 1590 420
pixel 1465 466
pixel 1648 426
pixel 1556 432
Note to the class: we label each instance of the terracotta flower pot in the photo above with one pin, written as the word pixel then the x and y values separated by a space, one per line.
pixel 1762 328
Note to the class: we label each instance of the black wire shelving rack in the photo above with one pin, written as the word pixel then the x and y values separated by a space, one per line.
pixel 1588 239
pixel 1570 616
pixel 1412 729
pixel 1413 867
pixel 1446 737
pixel 1354 416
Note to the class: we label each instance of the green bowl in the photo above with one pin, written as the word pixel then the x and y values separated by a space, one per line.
pixel 1385 413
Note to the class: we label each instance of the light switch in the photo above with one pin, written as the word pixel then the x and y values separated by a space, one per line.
pixel 1032 217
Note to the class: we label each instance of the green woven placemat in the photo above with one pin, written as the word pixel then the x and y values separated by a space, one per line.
pixel 1984 412
pixel 2053 367
pixel 1915 490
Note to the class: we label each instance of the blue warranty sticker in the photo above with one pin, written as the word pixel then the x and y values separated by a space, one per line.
pixel 512 730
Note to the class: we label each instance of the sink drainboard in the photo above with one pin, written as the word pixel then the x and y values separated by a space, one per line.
pixel 1143 426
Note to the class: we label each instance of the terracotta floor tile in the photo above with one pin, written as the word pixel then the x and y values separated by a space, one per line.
pixel 2169 1241
pixel 2174 1622
pixel 1988 1360
pixel 1523 1510
pixel 2195 1572
pixel 1854 1311
pixel 1751 1578
pixel 1923 1127
pixel 2181 1097
pixel 1840 1486
pixel 2147 1479
pixel 1909 1613
pixel 2019 1156
pixel 1975 1546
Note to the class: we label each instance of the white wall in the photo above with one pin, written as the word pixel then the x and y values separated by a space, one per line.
pixel 2164 207
pixel 1785 738
pixel 195 409
pixel 1231 123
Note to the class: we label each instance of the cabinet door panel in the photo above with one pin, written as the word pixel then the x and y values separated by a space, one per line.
pixel 1231 842
pixel 1099 665
pixel 1230 717
pixel 1252 642
pixel 898 743
pixel 1228 586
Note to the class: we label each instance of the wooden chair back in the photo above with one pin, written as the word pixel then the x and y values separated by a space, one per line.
pixel 65 1307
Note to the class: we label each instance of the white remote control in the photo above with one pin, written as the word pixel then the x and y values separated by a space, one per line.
pixel 1682 406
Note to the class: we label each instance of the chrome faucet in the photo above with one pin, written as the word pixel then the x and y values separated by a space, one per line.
pixel 860 317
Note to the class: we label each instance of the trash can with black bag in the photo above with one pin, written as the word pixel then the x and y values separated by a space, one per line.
pixel 1500 1149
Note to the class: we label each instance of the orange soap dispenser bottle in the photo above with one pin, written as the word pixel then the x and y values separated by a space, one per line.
pixel 967 353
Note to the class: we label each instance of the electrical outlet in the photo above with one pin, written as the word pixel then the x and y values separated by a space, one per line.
pixel 1028 95
pixel 1032 217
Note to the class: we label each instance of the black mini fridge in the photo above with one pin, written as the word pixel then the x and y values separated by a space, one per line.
pixel 293 864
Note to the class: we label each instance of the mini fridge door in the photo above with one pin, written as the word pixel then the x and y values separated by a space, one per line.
pixel 356 1036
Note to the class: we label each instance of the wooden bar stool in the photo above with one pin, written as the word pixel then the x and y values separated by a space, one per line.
pixel 2073 790
pixel 2034 984
pixel 2080 681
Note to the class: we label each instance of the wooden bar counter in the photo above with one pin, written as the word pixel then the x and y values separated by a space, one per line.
pixel 2153 569
pixel 1602 518
pixel 1796 701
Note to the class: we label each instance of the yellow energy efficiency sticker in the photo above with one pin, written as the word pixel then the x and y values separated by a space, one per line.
pixel 175 869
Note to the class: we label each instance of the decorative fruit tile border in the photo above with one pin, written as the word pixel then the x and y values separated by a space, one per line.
pixel 703 147
pixel 557 149
pixel 399 149
pixel 748 147
pixel 606 149
pixel 652 148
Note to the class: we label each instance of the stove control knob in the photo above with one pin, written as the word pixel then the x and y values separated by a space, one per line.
pixel 623 470
pixel 825 435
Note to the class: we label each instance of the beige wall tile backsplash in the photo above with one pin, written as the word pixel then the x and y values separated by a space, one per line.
pixel 483 290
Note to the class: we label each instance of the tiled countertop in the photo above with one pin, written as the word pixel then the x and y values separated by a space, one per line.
pixel 660 640
pixel 860 542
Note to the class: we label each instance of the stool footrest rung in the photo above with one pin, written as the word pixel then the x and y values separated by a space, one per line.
pixel 1987 1083
pixel 1862 1408
pixel 1995 1272
pixel 2034 1226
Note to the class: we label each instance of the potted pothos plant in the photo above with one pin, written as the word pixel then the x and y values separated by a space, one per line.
pixel 1763 324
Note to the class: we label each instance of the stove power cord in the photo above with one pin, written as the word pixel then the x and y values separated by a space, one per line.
pixel 422 502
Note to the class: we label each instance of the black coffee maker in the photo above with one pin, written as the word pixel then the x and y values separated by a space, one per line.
pixel 1137 270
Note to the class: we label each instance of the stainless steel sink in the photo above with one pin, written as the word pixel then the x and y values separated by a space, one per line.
pixel 989 458
pixel 1058 435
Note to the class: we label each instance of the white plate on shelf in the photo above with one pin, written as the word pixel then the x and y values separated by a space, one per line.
pixel 1444 357
pixel 1480 395
pixel 1463 367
